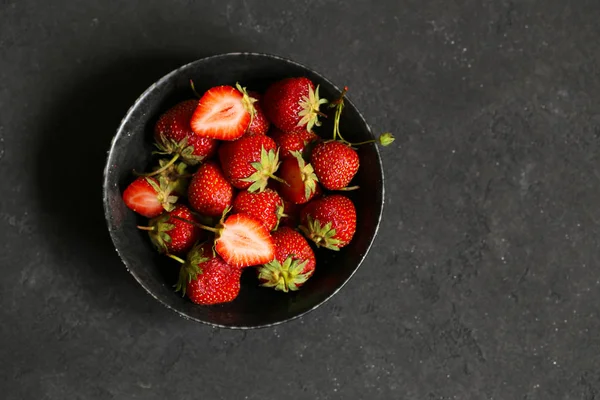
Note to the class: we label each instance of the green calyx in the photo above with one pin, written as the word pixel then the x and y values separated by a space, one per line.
pixel 175 175
pixel 308 175
pixel 286 276
pixel 279 213
pixel 159 232
pixel 321 235
pixel 181 149
pixel 265 169
pixel 310 109
pixel 190 267
pixel 164 190
pixel 247 101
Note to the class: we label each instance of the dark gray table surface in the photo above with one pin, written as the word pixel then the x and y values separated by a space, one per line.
pixel 484 281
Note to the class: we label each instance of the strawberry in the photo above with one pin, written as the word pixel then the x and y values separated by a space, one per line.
pixel 301 181
pixel 292 141
pixel 265 206
pixel 243 241
pixel 149 196
pixel 224 113
pixel 292 104
pixel 209 192
pixel 249 162
pixel 174 135
pixel 171 233
pixel 206 279
pixel 260 124
pixel 330 222
pixel 293 264
pixel 335 164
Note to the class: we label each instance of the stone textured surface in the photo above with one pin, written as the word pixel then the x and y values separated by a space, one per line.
pixel 483 284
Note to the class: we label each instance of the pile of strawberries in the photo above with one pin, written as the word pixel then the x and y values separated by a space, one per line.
pixel 244 182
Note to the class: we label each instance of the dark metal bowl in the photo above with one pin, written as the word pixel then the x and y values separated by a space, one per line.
pixel 255 306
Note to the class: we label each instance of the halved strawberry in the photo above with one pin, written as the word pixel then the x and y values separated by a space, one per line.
pixel 243 241
pixel 149 196
pixel 224 113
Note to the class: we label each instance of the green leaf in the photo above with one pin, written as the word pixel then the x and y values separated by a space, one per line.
pixel 310 109
pixel 321 235
pixel 265 168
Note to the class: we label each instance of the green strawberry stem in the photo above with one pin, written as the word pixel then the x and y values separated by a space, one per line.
pixel 194 89
pixel 161 169
pixel 146 228
pixel 349 188
pixel 178 259
pixel 385 139
pixel 339 106
pixel 278 179
pixel 340 99
pixel 208 228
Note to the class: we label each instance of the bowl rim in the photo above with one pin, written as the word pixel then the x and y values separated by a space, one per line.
pixel 119 132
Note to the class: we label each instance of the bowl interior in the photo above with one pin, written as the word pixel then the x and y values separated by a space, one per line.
pixel 131 149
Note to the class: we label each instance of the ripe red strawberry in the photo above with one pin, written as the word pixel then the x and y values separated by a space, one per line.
pixel 224 113
pixel 292 141
pixel 249 162
pixel 170 233
pixel 265 206
pixel 301 181
pixel 149 196
pixel 330 222
pixel 292 104
pixel 293 264
pixel 243 241
pixel 209 192
pixel 260 124
pixel 335 164
pixel 206 279
pixel 174 135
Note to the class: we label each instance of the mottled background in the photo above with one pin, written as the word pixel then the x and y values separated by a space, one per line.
pixel 483 282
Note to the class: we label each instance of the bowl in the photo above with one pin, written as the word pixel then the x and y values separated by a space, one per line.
pixel 255 306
